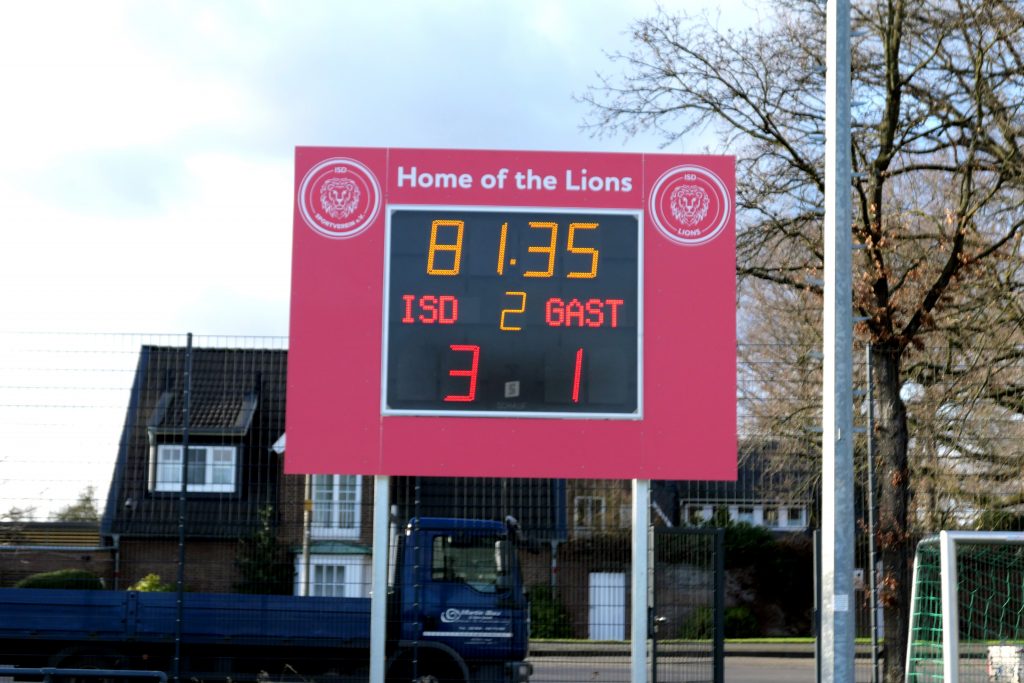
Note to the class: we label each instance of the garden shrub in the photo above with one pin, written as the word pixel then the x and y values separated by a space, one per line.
pixel 63 578
pixel 548 616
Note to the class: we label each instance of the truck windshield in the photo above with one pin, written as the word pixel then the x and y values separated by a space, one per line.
pixel 482 562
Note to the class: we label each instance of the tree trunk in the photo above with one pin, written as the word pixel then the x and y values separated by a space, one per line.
pixel 893 480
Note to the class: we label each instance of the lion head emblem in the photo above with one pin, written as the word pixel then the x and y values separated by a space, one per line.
pixel 689 204
pixel 339 197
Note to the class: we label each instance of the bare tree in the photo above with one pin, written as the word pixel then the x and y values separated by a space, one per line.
pixel 937 191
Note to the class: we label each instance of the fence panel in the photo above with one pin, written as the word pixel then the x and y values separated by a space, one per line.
pixel 93 464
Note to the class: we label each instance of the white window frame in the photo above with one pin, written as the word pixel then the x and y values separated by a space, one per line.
pixel 595 517
pixel 626 516
pixel 745 514
pixel 356 582
pixel 772 524
pixel 798 522
pixel 333 527
pixel 166 459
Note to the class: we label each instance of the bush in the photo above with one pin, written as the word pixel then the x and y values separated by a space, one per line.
pixel 63 578
pixel 740 622
pixel 700 625
pixel 548 616
pixel 151 583
pixel 747 545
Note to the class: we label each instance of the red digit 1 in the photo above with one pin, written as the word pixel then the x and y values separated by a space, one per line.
pixel 471 373
pixel 576 376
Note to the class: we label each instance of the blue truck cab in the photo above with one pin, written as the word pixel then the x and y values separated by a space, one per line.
pixel 458 591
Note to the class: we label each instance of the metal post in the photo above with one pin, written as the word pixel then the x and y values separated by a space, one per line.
pixel 719 654
pixel 950 608
pixel 837 414
pixel 182 507
pixel 379 594
pixel 307 518
pixel 872 579
pixel 640 588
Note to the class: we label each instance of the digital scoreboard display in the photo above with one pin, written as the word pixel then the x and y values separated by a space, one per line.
pixel 512 312
pixel 508 313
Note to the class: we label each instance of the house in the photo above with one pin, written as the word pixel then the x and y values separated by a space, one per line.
pixel 778 499
pixel 235 409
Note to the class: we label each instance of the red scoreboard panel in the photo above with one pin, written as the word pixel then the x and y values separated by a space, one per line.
pixel 500 313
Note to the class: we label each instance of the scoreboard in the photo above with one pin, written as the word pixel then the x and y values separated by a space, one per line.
pixel 504 313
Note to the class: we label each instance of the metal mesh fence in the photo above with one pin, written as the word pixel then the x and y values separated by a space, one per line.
pixel 94 456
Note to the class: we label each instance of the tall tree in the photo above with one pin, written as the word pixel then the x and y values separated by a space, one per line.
pixel 937 190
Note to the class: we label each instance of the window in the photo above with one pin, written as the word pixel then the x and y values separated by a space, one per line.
pixel 745 514
pixel 771 516
pixel 589 513
pixel 328 580
pixel 795 517
pixel 625 516
pixel 481 562
pixel 211 469
pixel 336 506
pixel 336 576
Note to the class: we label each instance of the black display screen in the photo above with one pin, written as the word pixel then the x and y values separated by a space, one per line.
pixel 512 312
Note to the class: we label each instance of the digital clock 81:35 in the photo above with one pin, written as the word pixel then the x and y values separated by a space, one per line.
pixel 512 312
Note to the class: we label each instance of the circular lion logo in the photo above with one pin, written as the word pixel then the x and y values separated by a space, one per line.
pixel 690 205
pixel 339 198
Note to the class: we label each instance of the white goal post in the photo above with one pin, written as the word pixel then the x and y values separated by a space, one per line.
pixel 960 576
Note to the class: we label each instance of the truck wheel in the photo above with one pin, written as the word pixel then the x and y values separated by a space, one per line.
pixel 87 658
pixel 432 670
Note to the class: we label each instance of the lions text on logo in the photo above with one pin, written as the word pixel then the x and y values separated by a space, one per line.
pixel 690 205
pixel 339 198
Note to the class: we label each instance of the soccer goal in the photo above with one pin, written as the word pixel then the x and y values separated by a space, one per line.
pixel 967 608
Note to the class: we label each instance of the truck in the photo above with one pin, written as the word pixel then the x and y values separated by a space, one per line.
pixel 457 611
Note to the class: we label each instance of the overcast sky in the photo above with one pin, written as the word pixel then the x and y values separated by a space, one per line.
pixel 146 148
pixel 146 156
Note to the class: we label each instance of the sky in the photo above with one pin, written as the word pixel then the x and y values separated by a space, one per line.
pixel 146 148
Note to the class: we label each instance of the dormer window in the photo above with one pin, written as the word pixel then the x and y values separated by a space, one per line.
pixel 211 469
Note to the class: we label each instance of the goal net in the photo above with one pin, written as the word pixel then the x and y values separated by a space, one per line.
pixel 967 608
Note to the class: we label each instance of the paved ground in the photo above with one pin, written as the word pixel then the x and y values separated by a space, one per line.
pixel 616 670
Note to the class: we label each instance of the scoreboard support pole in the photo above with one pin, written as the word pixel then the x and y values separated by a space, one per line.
pixel 379 595
pixel 640 579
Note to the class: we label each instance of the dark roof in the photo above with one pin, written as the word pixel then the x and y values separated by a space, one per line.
pixel 766 471
pixel 225 388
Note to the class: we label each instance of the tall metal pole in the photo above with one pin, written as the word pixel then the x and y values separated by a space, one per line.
pixel 186 421
pixel 837 631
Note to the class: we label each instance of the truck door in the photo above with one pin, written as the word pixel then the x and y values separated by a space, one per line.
pixel 473 600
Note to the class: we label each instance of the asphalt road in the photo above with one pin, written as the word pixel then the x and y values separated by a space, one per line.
pixel 616 670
